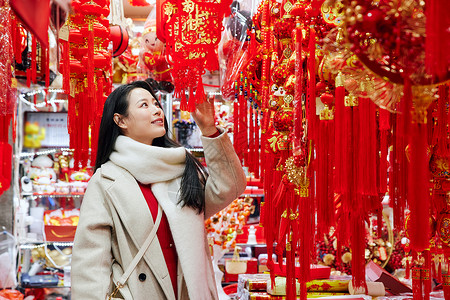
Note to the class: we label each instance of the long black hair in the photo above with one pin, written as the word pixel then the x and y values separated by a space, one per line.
pixel 192 193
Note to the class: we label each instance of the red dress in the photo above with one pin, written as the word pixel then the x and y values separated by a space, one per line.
pixel 164 235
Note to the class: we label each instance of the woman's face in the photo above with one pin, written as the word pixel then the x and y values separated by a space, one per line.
pixel 145 120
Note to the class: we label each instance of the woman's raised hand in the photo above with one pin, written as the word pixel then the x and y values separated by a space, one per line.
pixel 204 117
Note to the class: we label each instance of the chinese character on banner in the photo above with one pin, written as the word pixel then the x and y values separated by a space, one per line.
pixel 191 30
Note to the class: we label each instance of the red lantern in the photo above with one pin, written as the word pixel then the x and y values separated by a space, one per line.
pixel 119 37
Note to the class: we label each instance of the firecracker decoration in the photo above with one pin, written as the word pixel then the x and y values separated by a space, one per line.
pixel 192 31
pixel 7 95
pixel 86 67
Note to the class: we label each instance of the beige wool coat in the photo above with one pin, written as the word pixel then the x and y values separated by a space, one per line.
pixel 115 221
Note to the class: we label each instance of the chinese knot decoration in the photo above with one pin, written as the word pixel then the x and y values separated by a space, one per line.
pixel 86 66
pixel 191 30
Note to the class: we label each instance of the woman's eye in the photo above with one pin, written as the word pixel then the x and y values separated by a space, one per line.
pixel 144 104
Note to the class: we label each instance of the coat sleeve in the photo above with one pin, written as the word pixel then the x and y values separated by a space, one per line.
pixel 226 179
pixel 91 257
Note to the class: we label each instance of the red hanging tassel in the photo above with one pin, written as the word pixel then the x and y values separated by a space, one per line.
pixel 65 66
pixel 367 156
pixel 437 55
pixel 191 100
pixel 440 137
pixel 258 148
pixel 200 92
pixel 383 128
pixel 236 125
pixel 243 128
pixel 33 59
pixel 439 267
pixel 251 142
pixel 425 276
pixel 408 265
pixel 298 110
pixel 325 158
pixel 183 101
pixel 446 286
pixel 398 174
pixel 47 73
pixel 90 61
pixel 312 118
pixel 306 238
pixel 17 42
pixel 340 132
pixel 416 284
pixel 358 252
pixel 28 72
pixel 418 194
pixel 291 288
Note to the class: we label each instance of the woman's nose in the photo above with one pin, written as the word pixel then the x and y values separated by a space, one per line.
pixel 158 111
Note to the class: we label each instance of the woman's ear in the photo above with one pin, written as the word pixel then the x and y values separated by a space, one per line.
pixel 118 119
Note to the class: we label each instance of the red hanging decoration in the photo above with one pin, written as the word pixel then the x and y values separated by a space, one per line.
pixel 87 60
pixel 192 31
pixel 35 16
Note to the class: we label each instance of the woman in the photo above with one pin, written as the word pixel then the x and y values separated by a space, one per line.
pixel 138 169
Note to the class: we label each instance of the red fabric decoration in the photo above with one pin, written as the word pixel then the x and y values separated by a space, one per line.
pixel 35 16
